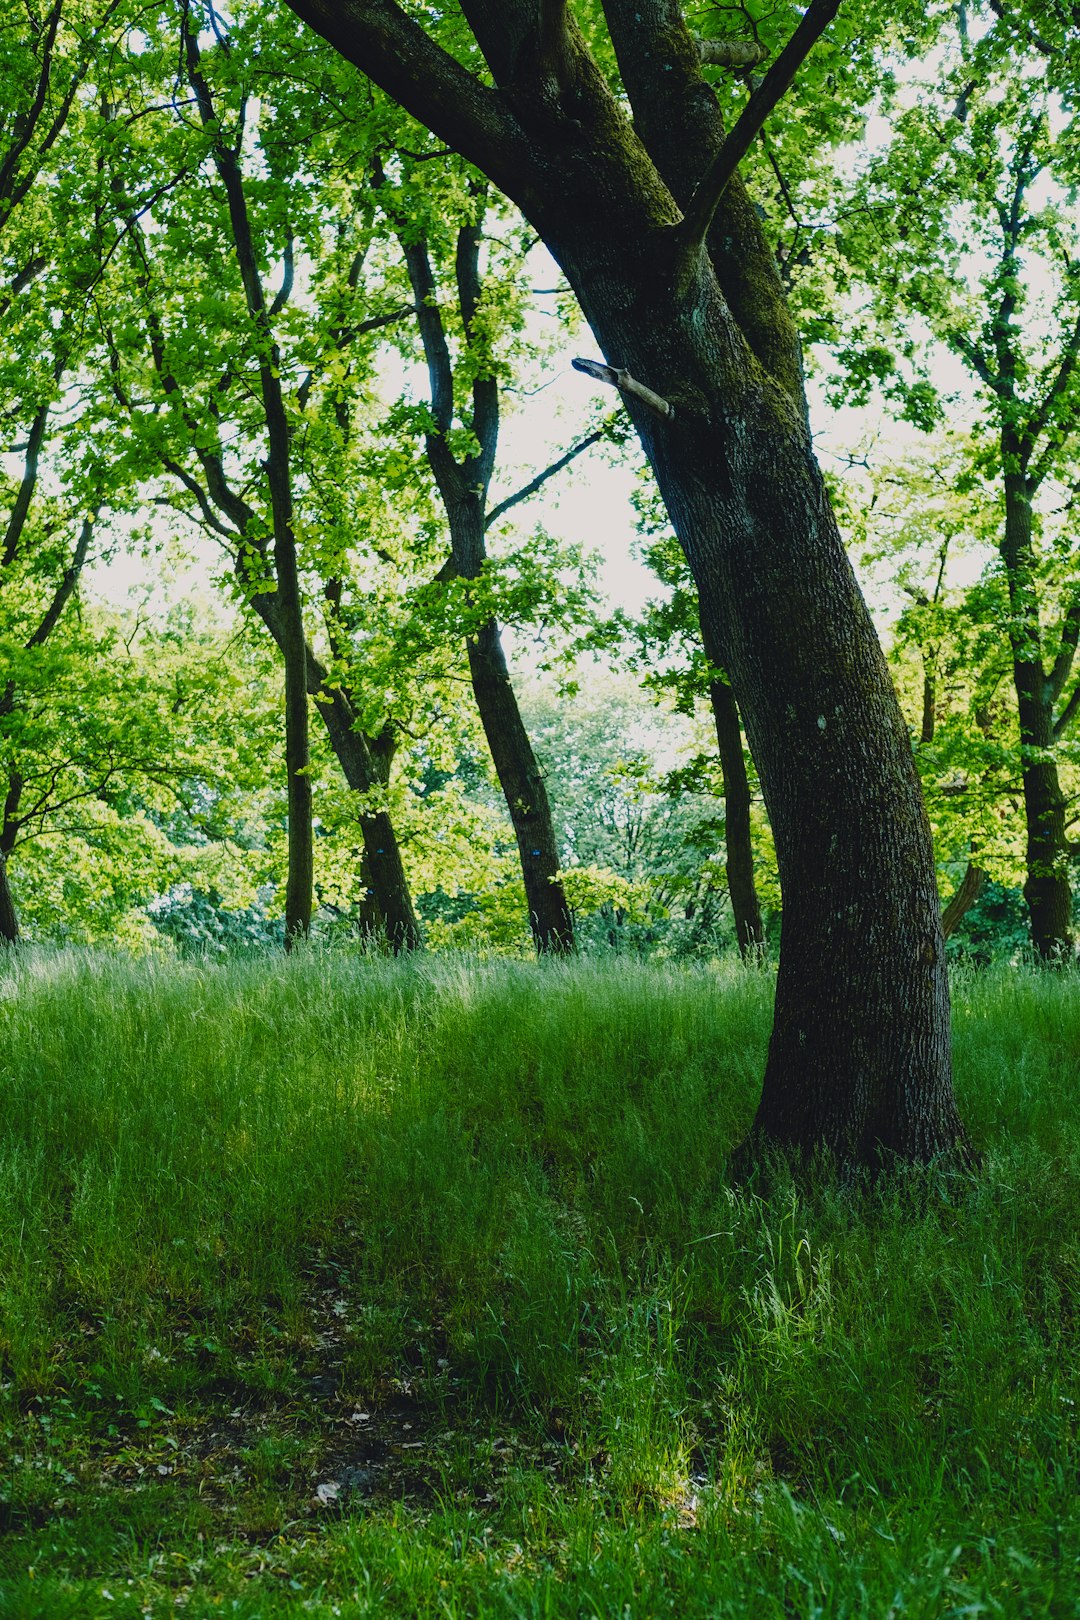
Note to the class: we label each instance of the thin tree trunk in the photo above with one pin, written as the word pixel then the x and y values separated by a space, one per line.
pixel 522 783
pixel 739 853
pixel 960 903
pixel 9 920
pixel 300 876
pixel 463 486
pixel 1047 889
pixel 364 771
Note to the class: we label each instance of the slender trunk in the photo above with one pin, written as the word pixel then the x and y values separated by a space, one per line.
pixel 299 882
pixel 739 853
pixel 364 771
pixel 522 783
pixel 299 885
pixel 967 892
pixel 365 765
pixel 9 920
pixel 1047 888
pixel 463 486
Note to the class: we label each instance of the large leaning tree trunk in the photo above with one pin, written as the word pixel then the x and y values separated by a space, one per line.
pixel 661 244
pixel 463 484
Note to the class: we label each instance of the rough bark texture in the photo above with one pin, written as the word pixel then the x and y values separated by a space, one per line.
pixel 859 1060
pixel 738 849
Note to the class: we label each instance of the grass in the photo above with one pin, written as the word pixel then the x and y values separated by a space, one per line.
pixel 344 1286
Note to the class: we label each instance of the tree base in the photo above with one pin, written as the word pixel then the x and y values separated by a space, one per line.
pixel 762 1165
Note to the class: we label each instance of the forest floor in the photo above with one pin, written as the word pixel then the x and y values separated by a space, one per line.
pixel 338 1286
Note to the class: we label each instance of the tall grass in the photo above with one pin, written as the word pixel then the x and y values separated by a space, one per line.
pixel 513 1178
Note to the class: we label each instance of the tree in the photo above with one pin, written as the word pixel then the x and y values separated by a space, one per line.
pixel 51 255
pixel 240 383
pixel 968 220
pixel 463 478
pixel 657 235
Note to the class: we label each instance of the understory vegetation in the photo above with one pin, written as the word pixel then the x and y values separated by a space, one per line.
pixel 342 1286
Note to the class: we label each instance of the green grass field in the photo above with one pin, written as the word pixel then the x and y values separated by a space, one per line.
pixel 338 1286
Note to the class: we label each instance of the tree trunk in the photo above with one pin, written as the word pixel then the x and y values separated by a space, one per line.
pixel 523 788
pixel 9 920
pixel 859 1062
pixel 1047 888
pixel 968 890
pixel 739 853
pixel 366 765
pixel 366 769
pixel 463 486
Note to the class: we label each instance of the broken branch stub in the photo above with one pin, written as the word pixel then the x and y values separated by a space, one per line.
pixel 621 379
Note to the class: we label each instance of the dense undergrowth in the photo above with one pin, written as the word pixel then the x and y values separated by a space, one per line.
pixel 344 1286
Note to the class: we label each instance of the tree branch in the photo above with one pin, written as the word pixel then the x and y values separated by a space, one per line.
pixel 20 511
pixel 401 57
pixel 743 53
pixel 1068 713
pixel 67 584
pixel 534 484
pixel 32 114
pixel 485 388
pixel 621 379
pixel 706 199
pixel 1040 417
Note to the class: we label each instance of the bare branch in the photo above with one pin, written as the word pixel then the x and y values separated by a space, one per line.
pixel 622 380
pixel 534 484
pixel 288 272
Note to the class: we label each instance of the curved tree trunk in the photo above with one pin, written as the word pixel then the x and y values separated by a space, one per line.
pixel 522 783
pixel 739 852
pixel 960 903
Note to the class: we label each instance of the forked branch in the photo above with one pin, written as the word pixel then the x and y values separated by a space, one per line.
pixel 706 199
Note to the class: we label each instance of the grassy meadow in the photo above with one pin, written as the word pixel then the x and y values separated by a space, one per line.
pixel 341 1286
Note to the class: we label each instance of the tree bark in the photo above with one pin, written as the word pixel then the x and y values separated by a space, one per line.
pixel 967 892
pixel 366 766
pixel 738 849
pixel 1047 889
pixel 859 1062
pixel 522 783
pixel 299 882
pixel 9 919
